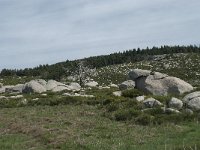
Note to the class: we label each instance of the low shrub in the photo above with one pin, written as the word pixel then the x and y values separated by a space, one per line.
pixel 144 119
pixel 131 93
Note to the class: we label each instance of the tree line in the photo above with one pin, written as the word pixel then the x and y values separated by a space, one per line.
pixel 57 71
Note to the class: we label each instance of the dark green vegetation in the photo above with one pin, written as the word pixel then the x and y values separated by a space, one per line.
pixel 63 69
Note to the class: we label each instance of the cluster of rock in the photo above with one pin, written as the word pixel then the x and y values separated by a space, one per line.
pixel 175 105
pixel 40 86
pixel 155 83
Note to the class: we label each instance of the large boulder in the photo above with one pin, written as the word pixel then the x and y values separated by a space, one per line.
pixel 175 103
pixel 158 84
pixel 33 87
pixel 3 89
pixel 14 89
pixel 192 100
pixel 51 84
pixel 74 86
pixel 130 84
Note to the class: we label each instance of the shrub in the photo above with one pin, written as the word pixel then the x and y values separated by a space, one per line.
pixel 122 115
pixel 131 93
pixel 112 107
pixel 144 119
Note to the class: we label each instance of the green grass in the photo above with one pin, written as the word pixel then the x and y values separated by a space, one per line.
pixel 83 127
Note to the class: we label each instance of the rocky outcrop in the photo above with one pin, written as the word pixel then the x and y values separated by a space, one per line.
pixel 192 100
pixel 14 89
pixel 157 83
pixel 130 84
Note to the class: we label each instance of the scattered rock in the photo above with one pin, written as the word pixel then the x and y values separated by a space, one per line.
pixel 114 86
pixel 127 85
pixel 175 103
pixel 192 101
pixel 171 110
pixel 188 111
pixel 104 87
pixel 151 102
pixel 117 93
pixel 35 99
pixel 78 95
pixel 60 88
pixel 44 94
pixel 24 101
pixel 140 98
pixel 91 84
pixel 16 97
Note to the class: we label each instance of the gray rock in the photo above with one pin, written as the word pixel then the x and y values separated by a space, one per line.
pixel 51 84
pixel 151 102
pixel 190 96
pixel 171 110
pixel 192 101
pixel 41 81
pixel 117 93
pixel 140 98
pixel 137 73
pixel 74 86
pixel 16 97
pixel 189 111
pixel 161 84
pixel 127 85
pixel 175 103
pixel 3 89
pixel 15 89
pixel 114 86
pixel 91 84
pixel 194 104
pixel 33 87
pixel 60 88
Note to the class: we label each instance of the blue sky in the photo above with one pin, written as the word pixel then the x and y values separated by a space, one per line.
pixel 34 32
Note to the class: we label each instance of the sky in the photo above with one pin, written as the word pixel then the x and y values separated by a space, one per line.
pixel 34 32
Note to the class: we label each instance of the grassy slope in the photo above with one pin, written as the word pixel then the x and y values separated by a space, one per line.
pixel 83 127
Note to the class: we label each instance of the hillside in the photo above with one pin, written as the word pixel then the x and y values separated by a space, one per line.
pixel 91 107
